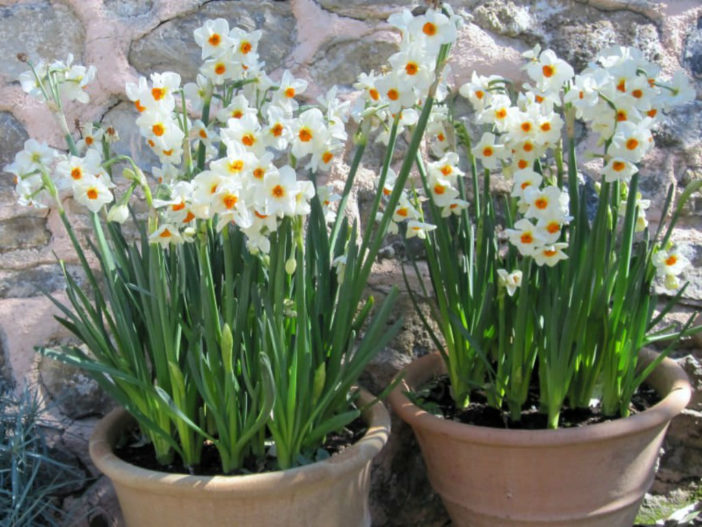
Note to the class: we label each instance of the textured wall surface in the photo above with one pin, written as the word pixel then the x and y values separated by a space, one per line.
pixel 328 42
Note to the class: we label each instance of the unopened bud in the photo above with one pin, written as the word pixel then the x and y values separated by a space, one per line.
pixel 22 57
pixel 290 266
pixel 118 213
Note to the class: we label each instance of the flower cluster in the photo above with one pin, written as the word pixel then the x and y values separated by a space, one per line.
pixel 506 303
pixel 55 83
pixel 70 78
pixel 620 96
pixel 390 102
pixel 225 168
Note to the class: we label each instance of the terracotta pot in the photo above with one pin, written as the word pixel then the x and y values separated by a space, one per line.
pixel 333 492
pixel 594 476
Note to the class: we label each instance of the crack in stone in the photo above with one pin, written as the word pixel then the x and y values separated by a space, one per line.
pixel 618 5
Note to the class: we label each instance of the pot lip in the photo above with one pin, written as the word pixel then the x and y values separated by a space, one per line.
pixel 422 369
pixel 350 459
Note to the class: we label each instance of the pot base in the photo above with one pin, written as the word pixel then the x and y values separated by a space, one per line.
pixel 333 492
pixel 594 476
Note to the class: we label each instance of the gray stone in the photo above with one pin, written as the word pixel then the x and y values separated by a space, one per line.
pixel 129 8
pixel 658 507
pixel 342 60
pixel 505 18
pixel 33 281
pixel 42 30
pixel 23 232
pixel 578 40
pixel 682 460
pixel 365 9
pixel 97 507
pixel 401 494
pixel 693 368
pixel 12 138
pixel 5 368
pixel 693 273
pixel 574 30
pixel 72 390
pixel 692 56
pixel 681 127
pixel 171 45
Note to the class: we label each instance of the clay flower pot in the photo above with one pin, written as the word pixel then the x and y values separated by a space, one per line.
pixel 594 476
pixel 330 492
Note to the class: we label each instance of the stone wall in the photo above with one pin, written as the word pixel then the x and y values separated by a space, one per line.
pixel 328 42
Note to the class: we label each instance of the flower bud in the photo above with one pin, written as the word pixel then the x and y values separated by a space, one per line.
pixel 671 282
pixel 290 266
pixel 118 213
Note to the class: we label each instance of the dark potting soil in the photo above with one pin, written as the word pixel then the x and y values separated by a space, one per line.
pixel 435 397
pixel 133 449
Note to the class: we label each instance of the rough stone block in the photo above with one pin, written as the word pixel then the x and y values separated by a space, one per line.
pixel 41 29
pixel 171 47
pixel 23 232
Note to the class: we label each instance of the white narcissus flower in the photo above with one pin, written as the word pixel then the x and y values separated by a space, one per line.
pixel 278 192
pixel 618 169
pixel 309 133
pixel 33 156
pixel 327 197
pixel 405 210
pixel 74 169
pixel 221 68
pixel 138 93
pixel 246 47
pixel 31 85
pixel 550 225
pixel 396 93
pixel 442 193
pixel 92 192
pixel 525 236
pixel 489 151
pixel 670 262
pixel 584 94
pixel 205 186
pixel 166 235
pixel 289 88
pixel 245 131
pixel 632 141
pixel 91 135
pixel 510 281
pixel 418 229
pixel 549 72
pixel 478 90
pixel 162 93
pixel 433 29
pixel 446 167
pixel 678 90
pixel 413 67
pixel 524 179
pixel 550 255
pixel 197 92
pixel 455 207
pixel 277 133
pixel 547 202
pixel 213 37
pixel 236 109
pixel 305 192
pixel 495 111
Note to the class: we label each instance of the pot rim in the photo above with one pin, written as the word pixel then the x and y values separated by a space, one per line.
pixel 669 378
pixel 352 458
